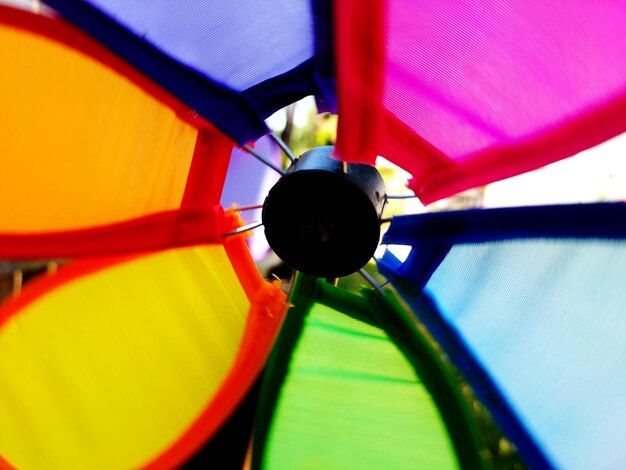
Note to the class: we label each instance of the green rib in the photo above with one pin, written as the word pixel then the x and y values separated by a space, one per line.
pixel 340 393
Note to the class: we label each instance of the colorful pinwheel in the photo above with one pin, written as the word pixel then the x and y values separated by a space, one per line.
pixel 117 124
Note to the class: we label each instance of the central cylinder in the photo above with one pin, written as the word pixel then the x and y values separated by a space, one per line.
pixel 322 220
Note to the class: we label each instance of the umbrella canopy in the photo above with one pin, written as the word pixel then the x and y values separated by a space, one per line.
pixel 136 352
pixel 235 64
pixel 124 156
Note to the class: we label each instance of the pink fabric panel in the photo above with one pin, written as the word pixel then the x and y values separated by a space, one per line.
pixel 476 91
pixel 471 77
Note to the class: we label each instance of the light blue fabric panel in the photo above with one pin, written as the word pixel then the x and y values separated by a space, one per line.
pixel 239 43
pixel 546 320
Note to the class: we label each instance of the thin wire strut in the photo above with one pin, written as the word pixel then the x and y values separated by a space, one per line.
pixel 242 229
pixel 18 281
pixel 401 196
pixel 371 281
pixel 262 159
pixel 281 143
pixel 248 208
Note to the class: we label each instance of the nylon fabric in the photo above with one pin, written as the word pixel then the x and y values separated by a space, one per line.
pixel 475 92
pixel 360 28
pixel 527 303
pixel 351 399
pixel 82 145
pixel 544 318
pixel 239 45
pixel 501 88
pixel 108 370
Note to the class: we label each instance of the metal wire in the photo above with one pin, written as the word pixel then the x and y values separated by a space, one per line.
pixel 371 281
pixel 400 196
pixel 242 229
pixel 248 208
pixel 262 159
pixel 281 143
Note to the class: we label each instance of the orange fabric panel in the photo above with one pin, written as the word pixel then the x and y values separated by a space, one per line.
pixel 80 144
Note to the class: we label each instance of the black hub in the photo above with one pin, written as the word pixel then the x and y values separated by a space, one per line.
pixel 321 220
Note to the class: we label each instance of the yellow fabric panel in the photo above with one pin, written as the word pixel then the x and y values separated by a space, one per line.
pixel 107 371
pixel 81 145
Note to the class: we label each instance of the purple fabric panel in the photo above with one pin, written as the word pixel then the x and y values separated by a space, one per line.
pixel 238 43
pixel 247 183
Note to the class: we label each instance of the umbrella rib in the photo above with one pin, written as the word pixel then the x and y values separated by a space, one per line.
pixel 400 196
pixel 281 143
pixel 368 277
pixel 248 208
pixel 262 159
pixel 242 229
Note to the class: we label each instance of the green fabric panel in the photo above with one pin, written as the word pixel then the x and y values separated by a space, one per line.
pixel 352 400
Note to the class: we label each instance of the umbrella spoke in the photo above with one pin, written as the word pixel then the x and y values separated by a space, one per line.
pixel 371 281
pixel 242 229
pixel 281 143
pixel 262 159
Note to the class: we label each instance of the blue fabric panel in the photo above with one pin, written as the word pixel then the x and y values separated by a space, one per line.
pixel 283 90
pixel 388 265
pixel 325 56
pixel 433 234
pixel 546 319
pixel 604 220
pixel 235 63
pixel 315 76
pixel 247 183
pixel 530 304
pixel 457 350
pixel 419 265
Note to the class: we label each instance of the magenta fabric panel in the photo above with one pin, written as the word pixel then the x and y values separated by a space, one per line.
pixel 496 71
pixel 481 90
pixel 496 82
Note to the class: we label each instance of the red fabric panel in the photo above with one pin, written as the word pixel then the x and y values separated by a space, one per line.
pixel 208 170
pixel 359 30
pixel 167 229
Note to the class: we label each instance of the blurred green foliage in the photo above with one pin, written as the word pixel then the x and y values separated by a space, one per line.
pixel 320 129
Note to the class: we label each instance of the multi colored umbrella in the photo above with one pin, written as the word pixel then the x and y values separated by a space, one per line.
pixel 118 149
pixel 137 352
